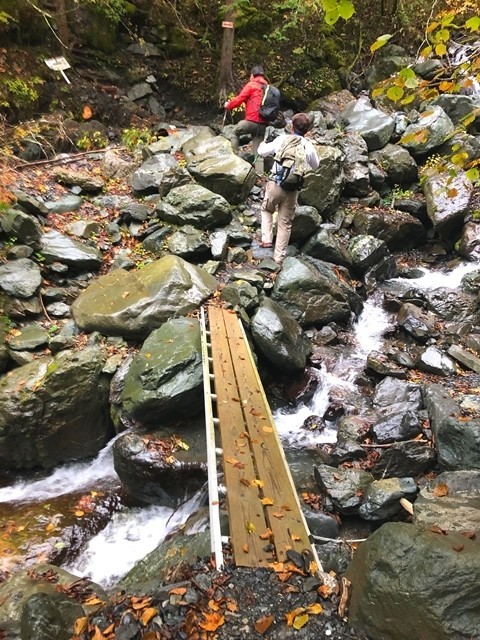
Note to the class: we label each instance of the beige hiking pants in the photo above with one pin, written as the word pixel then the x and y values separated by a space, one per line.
pixel 284 202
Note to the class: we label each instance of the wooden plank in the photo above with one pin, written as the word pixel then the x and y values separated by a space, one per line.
pixel 284 516
pixel 246 516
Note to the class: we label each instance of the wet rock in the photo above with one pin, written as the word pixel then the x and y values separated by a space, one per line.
pixel 153 470
pixel 305 223
pixel 399 230
pixel 382 364
pixel 64 205
pixel 65 399
pixel 87 182
pixel 448 201
pixel 20 278
pixel 139 91
pixel 432 129
pixel 312 292
pixel 403 459
pixel 56 246
pixel 397 426
pixel 195 205
pixel 22 226
pixel 384 270
pixel 165 377
pixel 214 165
pixel 397 396
pixel 189 243
pixel 391 600
pixel 112 303
pixel 357 180
pixel 159 174
pixel 433 360
pixel 314 423
pixel 398 164
pixel 467 359
pixel 29 338
pixel 325 245
pixel 30 204
pixel 366 251
pixel 470 241
pixel 334 556
pixel 322 188
pixel 381 499
pixel 321 524
pixel 451 501
pixel 345 487
pixel 240 295
pixel 49 616
pixel 375 127
pixel 459 107
pixel 279 337
pixel 416 322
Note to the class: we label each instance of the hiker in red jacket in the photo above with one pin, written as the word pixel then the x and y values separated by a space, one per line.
pixel 253 124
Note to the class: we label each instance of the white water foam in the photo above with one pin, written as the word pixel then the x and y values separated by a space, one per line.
pixel 68 478
pixel 129 537
pixel 439 279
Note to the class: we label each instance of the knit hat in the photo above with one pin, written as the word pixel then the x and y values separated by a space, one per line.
pixel 257 71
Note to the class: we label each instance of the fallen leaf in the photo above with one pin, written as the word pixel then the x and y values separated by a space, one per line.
pixel 295 537
pixel 87 112
pixel 213 605
pixel 178 591
pixel 267 502
pixel 267 429
pixel 291 615
pixel 92 601
pixel 81 625
pixel 232 606
pixel 262 625
pixel 232 461
pixel 441 489
pixel 458 547
pixel 212 621
pixel 147 615
pixel 257 483
pixel 469 534
pixel 300 621
pixel 278 514
pixel 250 527
pixel 315 608
pixel 434 529
pixel 245 548
pixel 266 534
pixel 98 635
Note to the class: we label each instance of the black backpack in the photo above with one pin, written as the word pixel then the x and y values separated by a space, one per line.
pixel 270 106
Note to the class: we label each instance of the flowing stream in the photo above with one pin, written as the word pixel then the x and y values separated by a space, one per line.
pixel 132 532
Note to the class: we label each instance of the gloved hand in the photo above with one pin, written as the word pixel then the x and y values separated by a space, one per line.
pixel 270 134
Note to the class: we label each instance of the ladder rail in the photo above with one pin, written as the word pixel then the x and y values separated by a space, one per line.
pixel 213 495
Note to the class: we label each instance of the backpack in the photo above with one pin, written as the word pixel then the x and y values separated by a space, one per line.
pixel 291 164
pixel 270 103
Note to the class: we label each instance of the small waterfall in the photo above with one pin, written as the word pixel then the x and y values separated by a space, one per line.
pixel 68 478
pixel 129 537
pixel 368 331
pixel 439 279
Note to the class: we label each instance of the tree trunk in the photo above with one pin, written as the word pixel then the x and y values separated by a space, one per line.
pixel 63 31
pixel 226 83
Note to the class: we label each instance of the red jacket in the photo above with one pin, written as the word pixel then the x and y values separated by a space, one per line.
pixel 251 95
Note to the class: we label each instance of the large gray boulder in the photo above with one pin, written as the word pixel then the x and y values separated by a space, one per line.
pixel 58 247
pixel 357 176
pixel 195 205
pixel 398 229
pixel 375 127
pixel 46 579
pixel 322 187
pixel 133 303
pixel 448 200
pixel 22 226
pixel 410 583
pixel 312 293
pixel 451 501
pixel 55 409
pixel 20 278
pixel 165 379
pixel 155 469
pixel 214 165
pixel 400 167
pixel 279 337
pixel 158 174
pixel 431 130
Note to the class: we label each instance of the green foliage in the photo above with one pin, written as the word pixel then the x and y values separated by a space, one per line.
pixel 21 92
pixel 397 193
pixel 6 18
pixel 113 10
pixel 91 140
pixel 134 138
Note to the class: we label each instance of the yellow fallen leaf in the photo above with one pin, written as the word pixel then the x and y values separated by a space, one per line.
pixel 257 483
pixel 148 615
pixel 81 625
pixel 267 502
pixel 300 621
pixel 250 527
pixel 315 608
pixel 291 615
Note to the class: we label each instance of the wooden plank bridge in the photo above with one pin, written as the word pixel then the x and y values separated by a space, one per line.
pixel 264 512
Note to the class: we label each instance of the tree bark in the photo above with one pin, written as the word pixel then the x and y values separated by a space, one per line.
pixel 63 31
pixel 226 83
